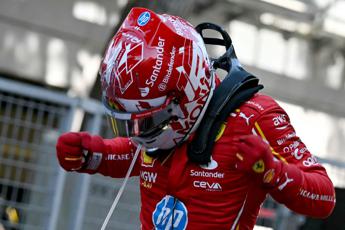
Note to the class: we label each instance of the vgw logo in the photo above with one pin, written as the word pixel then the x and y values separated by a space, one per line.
pixel 170 213
pixel 144 18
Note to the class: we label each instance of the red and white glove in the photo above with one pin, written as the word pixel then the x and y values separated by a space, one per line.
pixel 80 151
pixel 255 157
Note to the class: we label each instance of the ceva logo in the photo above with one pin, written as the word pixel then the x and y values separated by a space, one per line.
pixel 209 186
pixel 144 18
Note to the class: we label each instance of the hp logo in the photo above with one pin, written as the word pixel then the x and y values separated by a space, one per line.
pixel 170 213
pixel 144 18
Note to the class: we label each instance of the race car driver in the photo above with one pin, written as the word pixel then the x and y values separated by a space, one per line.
pixel 158 86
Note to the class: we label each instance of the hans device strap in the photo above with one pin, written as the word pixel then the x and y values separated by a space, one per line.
pixel 237 87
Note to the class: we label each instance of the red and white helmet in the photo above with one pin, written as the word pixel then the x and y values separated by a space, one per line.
pixel 157 79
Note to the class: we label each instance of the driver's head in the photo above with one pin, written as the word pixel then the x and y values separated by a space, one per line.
pixel 156 79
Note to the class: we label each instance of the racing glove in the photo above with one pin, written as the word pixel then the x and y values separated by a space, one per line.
pixel 256 158
pixel 84 153
pixel 80 151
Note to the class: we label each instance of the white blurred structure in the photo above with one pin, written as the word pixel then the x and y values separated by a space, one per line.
pixel 296 48
pixel 57 43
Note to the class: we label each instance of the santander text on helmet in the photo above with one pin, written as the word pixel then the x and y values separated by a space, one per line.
pixel 158 65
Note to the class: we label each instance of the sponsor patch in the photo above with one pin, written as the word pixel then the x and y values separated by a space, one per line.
pixel 268 176
pixel 259 166
pixel 195 173
pixel 280 122
pixel 285 138
pixel 315 196
pixel 144 18
pixel 146 160
pixel 170 213
pixel 163 85
pixel 118 157
pixel 208 186
pixel 310 161
pixel 148 178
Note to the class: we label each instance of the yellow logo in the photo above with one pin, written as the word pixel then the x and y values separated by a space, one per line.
pixel 221 131
pixel 268 176
pixel 146 184
pixel 259 166
pixel 146 160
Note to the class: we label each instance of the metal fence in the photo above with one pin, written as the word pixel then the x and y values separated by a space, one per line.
pixel 29 179
pixel 35 193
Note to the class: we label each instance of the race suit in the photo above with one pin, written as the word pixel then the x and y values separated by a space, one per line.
pixel 218 196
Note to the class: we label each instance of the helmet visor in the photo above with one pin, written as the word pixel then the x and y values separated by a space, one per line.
pixel 145 123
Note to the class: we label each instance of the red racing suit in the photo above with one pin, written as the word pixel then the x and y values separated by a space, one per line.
pixel 218 196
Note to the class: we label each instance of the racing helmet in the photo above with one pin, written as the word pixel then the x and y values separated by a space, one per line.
pixel 157 79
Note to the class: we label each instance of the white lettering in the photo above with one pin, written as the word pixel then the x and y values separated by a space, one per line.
pixel 327 198
pixel 291 147
pixel 313 196
pixel 196 88
pixel 159 61
pixel 162 86
pixel 148 176
pixel 287 137
pixel 118 157
pixel 310 161
pixel 280 120
pixel 303 150
pixel 206 185
pixel 255 105
pixel 297 154
pixel 206 174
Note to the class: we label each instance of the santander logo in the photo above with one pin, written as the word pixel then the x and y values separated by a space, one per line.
pixel 211 165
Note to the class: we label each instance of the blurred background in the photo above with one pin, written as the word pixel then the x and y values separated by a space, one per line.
pixel 49 57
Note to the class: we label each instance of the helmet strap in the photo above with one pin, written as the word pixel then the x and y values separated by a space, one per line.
pixel 237 87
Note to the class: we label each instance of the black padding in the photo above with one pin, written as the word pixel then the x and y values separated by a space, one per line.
pixel 238 87
pixel 229 95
